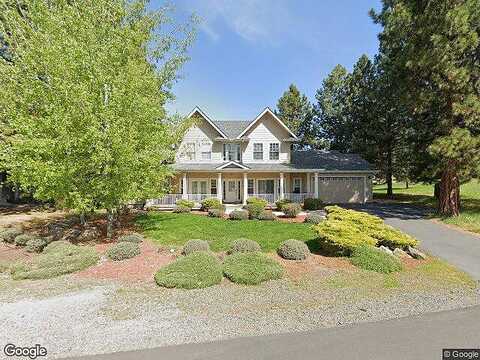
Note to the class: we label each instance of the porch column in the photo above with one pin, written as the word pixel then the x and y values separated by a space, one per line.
pixel 219 187
pixel 184 185
pixel 282 190
pixel 245 189
pixel 316 185
pixel 309 187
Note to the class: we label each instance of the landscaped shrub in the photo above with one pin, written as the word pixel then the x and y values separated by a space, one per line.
pixel 185 203
pixel 313 218
pixel 58 258
pixel 267 215
pixel 256 200
pixel 254 210
pixel 293 250
pixel 281 202
pixel 238 215
pixel 197 270
pixel 244 245
pixel 21 240
pixel 344 230
pixel 195 245
pixel 371 258
pixel 123 250
pixel 218 213
pixel 251 268
pixel 9 235
pixel 35 245
pixel 291 210
pixel 180 209
pixel 312 204
pixel 133 238
pixel 211 203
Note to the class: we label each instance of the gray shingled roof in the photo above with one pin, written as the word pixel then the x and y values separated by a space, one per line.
pixel 301 160
pixel 232 128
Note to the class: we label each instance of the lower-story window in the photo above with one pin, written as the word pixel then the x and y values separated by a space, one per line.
pixel 297 185
pixel 199 186
pixel 266 186
pixel 213 186
pixel 251 189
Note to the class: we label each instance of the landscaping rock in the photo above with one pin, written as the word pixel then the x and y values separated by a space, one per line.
pixel 386 250
pixel 72 235
pixel 416 254
pixel 56 230
pixel 89 234
pixel 400 253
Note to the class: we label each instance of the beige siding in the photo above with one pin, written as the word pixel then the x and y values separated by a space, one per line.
pixel 203 135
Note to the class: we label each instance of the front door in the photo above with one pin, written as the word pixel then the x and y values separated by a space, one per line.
pixel 232 190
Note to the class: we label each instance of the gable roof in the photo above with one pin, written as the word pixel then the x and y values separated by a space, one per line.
pixel 267 110
pixel 232 165
pixel 207 119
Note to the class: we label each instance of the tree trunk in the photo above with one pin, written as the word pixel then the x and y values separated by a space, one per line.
pixel 82 219
pixel 110 219
pixel 449 196
pixel 389 172
pixel 406 183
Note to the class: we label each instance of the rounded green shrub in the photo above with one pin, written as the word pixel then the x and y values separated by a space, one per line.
pixel 195 245
pixel 133 238
pixel 293 250
pixel 256 200
pixel 267 215
pixel 291 210
pixel 217 213
pixel 211 203
pixel 254 210
pixel 123 250
pixel 185 203
pixel 313 218
pixel 22 239
pixel 35 245
pixel 9 235
pixel 244 245
pixel 312 204
pixel 180 209
pixel 371 258
pixel 238 215
pixel 281 202
pixel 251 268
pixel 197 270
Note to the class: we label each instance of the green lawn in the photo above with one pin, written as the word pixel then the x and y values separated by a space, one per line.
pixel 175 229
pixel 422 194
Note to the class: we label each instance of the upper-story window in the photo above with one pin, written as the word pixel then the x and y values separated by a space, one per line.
pixel 274 151
pixel 206 150
pixel 231 152
pixel 190 151
pixel 206 155
pixel 258 151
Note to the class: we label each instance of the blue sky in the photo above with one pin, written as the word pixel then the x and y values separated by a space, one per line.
pixel 247 52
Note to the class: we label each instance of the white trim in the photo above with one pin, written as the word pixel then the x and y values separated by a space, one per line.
pixel 267 110
pixel 205 116
pixel 232 163
pixel 364 189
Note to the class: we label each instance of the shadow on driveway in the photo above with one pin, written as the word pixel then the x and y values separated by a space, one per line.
pixel 390 210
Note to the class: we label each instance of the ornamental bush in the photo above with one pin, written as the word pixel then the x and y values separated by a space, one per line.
pixel 281 202
pixel 371 258
pixel 291 210
pixel 35 245
pixel 251 268
pixel 267 215
pixel 293 250
pixel 217 213
pixel 195 245
pixel 254 210
pixel 312 204
pixel 133 238
pixel 21 240
pixel 211 203
pixel 180 209
pixel 194 271
pixel 256 200
pixel 123 250
pixel 9 235
pixel 244 245
pixel 238 215
pixel 185 203
pixel 313 218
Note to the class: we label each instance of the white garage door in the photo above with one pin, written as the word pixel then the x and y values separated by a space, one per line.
pixel 347 189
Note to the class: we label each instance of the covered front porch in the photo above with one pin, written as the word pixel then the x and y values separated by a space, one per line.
pixel 237 187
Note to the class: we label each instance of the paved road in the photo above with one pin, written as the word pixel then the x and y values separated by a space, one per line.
pixel 459 248
pixel 413 338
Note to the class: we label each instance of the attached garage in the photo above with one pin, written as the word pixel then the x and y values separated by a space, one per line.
pixel 342 189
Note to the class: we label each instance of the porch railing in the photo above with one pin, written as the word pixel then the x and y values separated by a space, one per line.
pixel 298 197
pixel 269 198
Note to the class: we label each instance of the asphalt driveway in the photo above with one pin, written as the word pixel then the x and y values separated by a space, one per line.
pixel 458 247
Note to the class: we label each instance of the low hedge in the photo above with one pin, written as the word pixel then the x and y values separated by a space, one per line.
pixel 133 238
pixel 194 245
pixel 22 239
pixel 293 250
pixel 291 210
pixel 123 251
pixel 254 210
pixel 35 245
pixel 238 215
pixel 256 200
pixel 251 268
pixel 281 202
pixel 8 235
pixel 211 203
pixel 266 215
pixel 313 218
pixel 180 209
pixel 197 270
pixel 185 203
pixel 244 245
pixel 371 258
pixel 344 230
pixel 312 204
pixel 217 213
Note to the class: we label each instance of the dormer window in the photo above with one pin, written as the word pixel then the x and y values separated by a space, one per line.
pixel 274 151
pixel 231 152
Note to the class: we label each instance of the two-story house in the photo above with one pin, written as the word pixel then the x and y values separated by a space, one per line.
pixel 234 160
